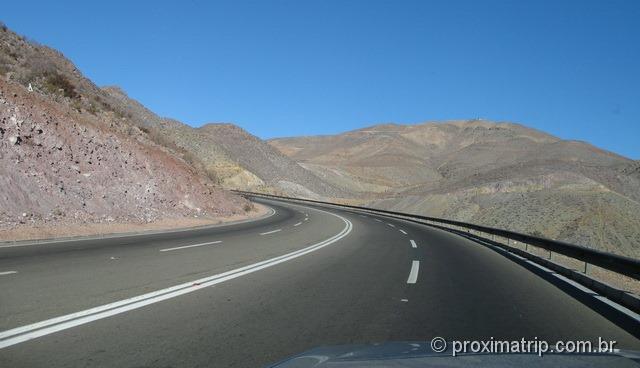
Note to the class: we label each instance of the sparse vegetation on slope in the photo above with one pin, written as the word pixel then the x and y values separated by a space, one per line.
pixel 502 175
pixel 230 155
pixel 72 154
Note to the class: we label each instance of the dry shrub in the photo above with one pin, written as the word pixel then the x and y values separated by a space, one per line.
pixel 55 83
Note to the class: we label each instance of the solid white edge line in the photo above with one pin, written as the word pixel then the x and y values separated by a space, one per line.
pixel 570 282
pixel 271 232
pixel 46 327
pixel 413 244
pixel 413 274
pixel 402 231
pixel 8 272
pixel 190 246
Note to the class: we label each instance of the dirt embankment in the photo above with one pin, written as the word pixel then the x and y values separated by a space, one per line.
pixel 66 168
pixel 51 231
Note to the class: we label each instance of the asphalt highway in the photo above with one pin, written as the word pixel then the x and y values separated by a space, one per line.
pixel 254 293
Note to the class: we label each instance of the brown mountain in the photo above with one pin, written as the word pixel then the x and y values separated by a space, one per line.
pixel 229 154
pixel 496 174
pixel 72 154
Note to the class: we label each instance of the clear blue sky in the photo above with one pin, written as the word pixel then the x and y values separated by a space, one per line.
pixel 284 68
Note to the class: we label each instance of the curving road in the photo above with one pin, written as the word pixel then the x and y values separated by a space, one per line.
pixel 253 293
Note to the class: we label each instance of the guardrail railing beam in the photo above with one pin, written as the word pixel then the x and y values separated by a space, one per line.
pixel 627 266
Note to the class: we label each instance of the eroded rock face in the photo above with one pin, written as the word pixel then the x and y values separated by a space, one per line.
pixel 61 165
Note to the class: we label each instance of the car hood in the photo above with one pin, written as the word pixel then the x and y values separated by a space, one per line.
pixel 419 354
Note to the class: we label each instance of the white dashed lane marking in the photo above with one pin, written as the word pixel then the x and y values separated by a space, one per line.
pixel 187 246
pixel 413 274
pixel 271 232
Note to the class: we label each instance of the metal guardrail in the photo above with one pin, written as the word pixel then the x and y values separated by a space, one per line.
pixel 627 266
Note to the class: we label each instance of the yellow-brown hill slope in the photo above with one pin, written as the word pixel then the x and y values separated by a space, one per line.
pixel 497 174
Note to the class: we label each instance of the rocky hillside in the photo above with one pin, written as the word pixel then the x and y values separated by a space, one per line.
pixel 229 154
pixel 71 153
pixel 497 174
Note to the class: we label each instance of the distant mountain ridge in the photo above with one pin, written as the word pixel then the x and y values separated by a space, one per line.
pixel 231 155
pixel 497 174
